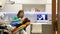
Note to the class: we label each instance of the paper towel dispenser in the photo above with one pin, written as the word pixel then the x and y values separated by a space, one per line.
pixel 2 3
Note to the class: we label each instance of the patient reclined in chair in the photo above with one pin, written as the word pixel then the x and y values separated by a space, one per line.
pixel 24 24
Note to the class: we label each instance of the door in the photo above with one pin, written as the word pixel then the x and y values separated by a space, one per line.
pixel 58 16
pixel 53 15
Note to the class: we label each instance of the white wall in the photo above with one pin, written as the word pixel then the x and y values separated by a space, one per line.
pixel 49 1
pixel 31 1
pixel 14 7
pixel 34 1
pixel 48 8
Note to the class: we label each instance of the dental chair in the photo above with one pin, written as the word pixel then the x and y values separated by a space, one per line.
pixel 20 27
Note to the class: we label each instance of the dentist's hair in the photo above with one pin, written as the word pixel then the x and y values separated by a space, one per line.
pixel 20 11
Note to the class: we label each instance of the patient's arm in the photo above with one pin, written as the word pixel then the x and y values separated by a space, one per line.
pixel 22 26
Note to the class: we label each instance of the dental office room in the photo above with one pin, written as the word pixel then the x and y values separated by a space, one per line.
pixel 25 16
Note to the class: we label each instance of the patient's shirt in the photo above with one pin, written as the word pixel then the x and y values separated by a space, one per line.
pixel 16 18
